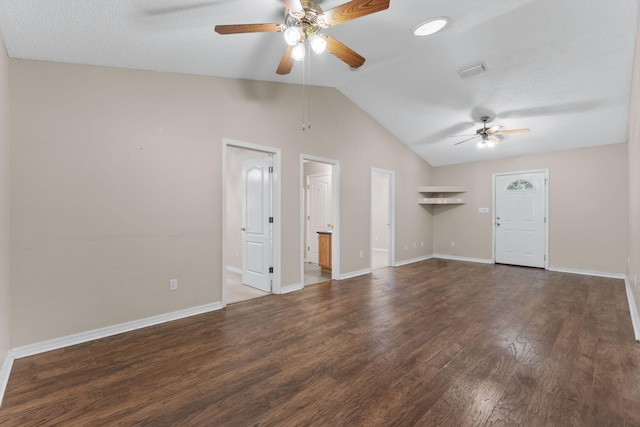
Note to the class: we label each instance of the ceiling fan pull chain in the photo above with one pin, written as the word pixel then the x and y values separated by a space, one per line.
pixel 304 87
pixel 306 93
pixel 308 89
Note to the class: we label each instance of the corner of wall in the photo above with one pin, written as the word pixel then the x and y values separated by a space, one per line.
pixel 633 156
pixel 6 360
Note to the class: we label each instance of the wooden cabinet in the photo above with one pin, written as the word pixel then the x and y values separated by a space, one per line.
pixel 324 251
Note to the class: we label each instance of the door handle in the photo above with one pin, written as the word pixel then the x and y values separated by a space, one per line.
pixel 243 229
pixel 498 224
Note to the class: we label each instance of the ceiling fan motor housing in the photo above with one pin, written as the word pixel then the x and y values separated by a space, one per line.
pixel 308 23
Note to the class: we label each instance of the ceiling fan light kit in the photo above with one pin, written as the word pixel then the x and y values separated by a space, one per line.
pixel 303 21
pixel 489 135
pixel 486 143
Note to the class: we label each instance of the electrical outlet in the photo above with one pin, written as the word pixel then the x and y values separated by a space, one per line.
pixel 173 284
pixel 414 246
pixel 361 254
pixel 237 252
pixel 406 247
pixel 453 244
pixel 422 244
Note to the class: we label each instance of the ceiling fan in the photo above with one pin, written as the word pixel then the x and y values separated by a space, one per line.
pixel 303 20
pixel 489 135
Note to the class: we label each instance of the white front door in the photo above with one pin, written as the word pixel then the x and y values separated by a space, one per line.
pixel 520 219
pixel 257 229
pixel 319 211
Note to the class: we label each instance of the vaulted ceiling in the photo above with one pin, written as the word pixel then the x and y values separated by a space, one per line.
pixel 559 67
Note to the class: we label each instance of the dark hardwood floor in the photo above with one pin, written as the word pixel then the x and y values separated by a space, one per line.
pixel 435 343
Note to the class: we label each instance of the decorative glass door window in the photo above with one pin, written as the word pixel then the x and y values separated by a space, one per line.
pixel 519 185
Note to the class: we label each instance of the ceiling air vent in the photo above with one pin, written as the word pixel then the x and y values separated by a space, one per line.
pixel 474 70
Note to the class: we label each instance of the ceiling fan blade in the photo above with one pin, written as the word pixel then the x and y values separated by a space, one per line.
pixel 294 7
pixel 494 128
pixel 249 28
pixel 286 63
pixel 494 138
pixel 455 136
pixel 504 132
pixel 458 143
pixel 342 52
pixel 351 10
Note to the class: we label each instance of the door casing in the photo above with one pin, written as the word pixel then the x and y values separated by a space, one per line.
pixel 276 286
pixel 311 232
pixel 391 213
pixel 335 235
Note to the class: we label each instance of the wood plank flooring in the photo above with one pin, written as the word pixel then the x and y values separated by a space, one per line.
pixel 436 343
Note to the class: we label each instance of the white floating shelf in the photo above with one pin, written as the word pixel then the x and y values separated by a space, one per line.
pixel 441 189
pixel 441 201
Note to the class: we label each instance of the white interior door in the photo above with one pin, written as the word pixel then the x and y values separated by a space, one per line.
pixel 257 229
pixel 319 211
pixel 520 219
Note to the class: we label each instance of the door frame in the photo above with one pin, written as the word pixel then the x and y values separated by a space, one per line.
pixel 546 211
pixel 307 193
pixel 276 287
pixel 335 194
pixel 392 215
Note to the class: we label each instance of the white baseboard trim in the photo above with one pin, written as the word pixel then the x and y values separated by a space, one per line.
pixel 355 274
pixel 5 372
pixel 57 343
pixel 462 258
pixel 411 261
pixel 633 308
pixel 234 269
pixel 291 288
pixel 587 272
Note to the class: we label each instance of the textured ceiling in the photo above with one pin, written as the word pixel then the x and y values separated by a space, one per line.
pixel 560 67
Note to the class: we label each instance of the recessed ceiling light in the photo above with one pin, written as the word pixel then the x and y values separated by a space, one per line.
pixel 431 26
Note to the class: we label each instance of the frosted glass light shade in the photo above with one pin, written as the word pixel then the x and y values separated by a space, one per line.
pixel 292 35
pixel 298 52
pixel 318 44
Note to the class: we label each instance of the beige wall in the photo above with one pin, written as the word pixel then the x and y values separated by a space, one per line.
pixel 587 207
pixel 4 203
pixel 634 180
pixel 116 188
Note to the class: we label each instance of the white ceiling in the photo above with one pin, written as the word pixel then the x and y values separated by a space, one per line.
pixel 560 67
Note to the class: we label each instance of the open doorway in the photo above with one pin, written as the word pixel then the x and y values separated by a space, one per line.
pixel 382 182
pixel 251 232
pixel 319 218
